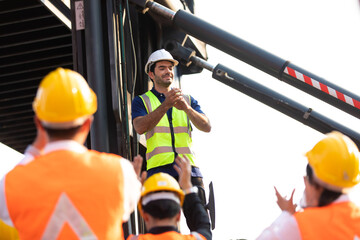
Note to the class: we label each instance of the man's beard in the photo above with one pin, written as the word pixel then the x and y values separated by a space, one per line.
pixel 162 82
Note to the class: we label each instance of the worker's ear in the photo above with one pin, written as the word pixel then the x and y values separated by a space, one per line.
pixel 178 216
pixel 85 127
pixel 144 215
pixel 151 75
pixel 312 193
pixel 41 138
pixel 90 119
pixel 38 123
pixel 87 124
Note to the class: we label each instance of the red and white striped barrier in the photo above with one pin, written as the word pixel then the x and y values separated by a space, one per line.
pixel 322 87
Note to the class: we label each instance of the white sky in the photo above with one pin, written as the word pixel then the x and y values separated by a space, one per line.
pixel 253 147
pixel 9 158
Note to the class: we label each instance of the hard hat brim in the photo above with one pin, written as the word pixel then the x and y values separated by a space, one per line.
pixel 148 65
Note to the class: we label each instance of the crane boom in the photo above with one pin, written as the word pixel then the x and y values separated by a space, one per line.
pixel 258 58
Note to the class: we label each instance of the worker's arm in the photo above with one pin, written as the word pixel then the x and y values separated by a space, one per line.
pixel 286 204
pixel 196 216
pixel 147 122
pixel 131 185
pixel 194 211
pixel 4 213
pixel 199 120
pixel 284 227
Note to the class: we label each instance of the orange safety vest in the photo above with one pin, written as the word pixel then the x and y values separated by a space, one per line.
pixel 337 221
pixel 171 235
pixel 67 195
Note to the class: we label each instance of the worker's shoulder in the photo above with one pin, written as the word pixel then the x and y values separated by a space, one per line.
pixel 105 155
pixel 141 96
pixel 137 102
pixel 132 237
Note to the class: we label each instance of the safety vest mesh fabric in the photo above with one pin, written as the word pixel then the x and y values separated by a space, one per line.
pixel 67 195
pixel 159 150
pixel 172 235
pixel 337 221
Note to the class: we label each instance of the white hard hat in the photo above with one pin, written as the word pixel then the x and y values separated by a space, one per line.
pixel 159 55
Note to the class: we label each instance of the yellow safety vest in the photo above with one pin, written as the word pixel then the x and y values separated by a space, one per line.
pixel 160 150
pixel 337 221
pixel 67 195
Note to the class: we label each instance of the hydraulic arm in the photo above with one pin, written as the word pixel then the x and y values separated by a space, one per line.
pixel 257 57
pixel 265 95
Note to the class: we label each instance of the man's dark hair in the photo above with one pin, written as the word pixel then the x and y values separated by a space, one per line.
pixel 162 209
pixel 62 133
pixel 327 196
pixel 152 67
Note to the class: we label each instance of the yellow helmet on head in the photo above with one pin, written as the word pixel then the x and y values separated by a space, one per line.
pixel 335 162
pixel 160 183
pixel 64 99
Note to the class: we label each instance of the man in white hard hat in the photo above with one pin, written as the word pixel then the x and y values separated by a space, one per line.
pixel 68 191
pixel 164 114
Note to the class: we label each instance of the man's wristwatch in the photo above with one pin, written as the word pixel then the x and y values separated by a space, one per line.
pixel 193 189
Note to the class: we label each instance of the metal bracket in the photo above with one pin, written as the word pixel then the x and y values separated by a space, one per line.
pixel 222 73
pixel 141 5
pixel 307 113
pixel 181 53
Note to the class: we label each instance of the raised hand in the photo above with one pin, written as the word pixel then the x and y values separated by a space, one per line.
pixel 284 204
pixel 174 98
pixel 137 163
pixel 183 168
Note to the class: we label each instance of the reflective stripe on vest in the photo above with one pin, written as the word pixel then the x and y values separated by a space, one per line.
pixel 159 150
pixel 197 235
pixel 167 235
pixel 335 221
pixel 65 212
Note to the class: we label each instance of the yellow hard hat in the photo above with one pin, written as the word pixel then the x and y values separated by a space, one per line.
pixel 161 182
pixel 8 232
pixel 64 99
pixel 335 162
